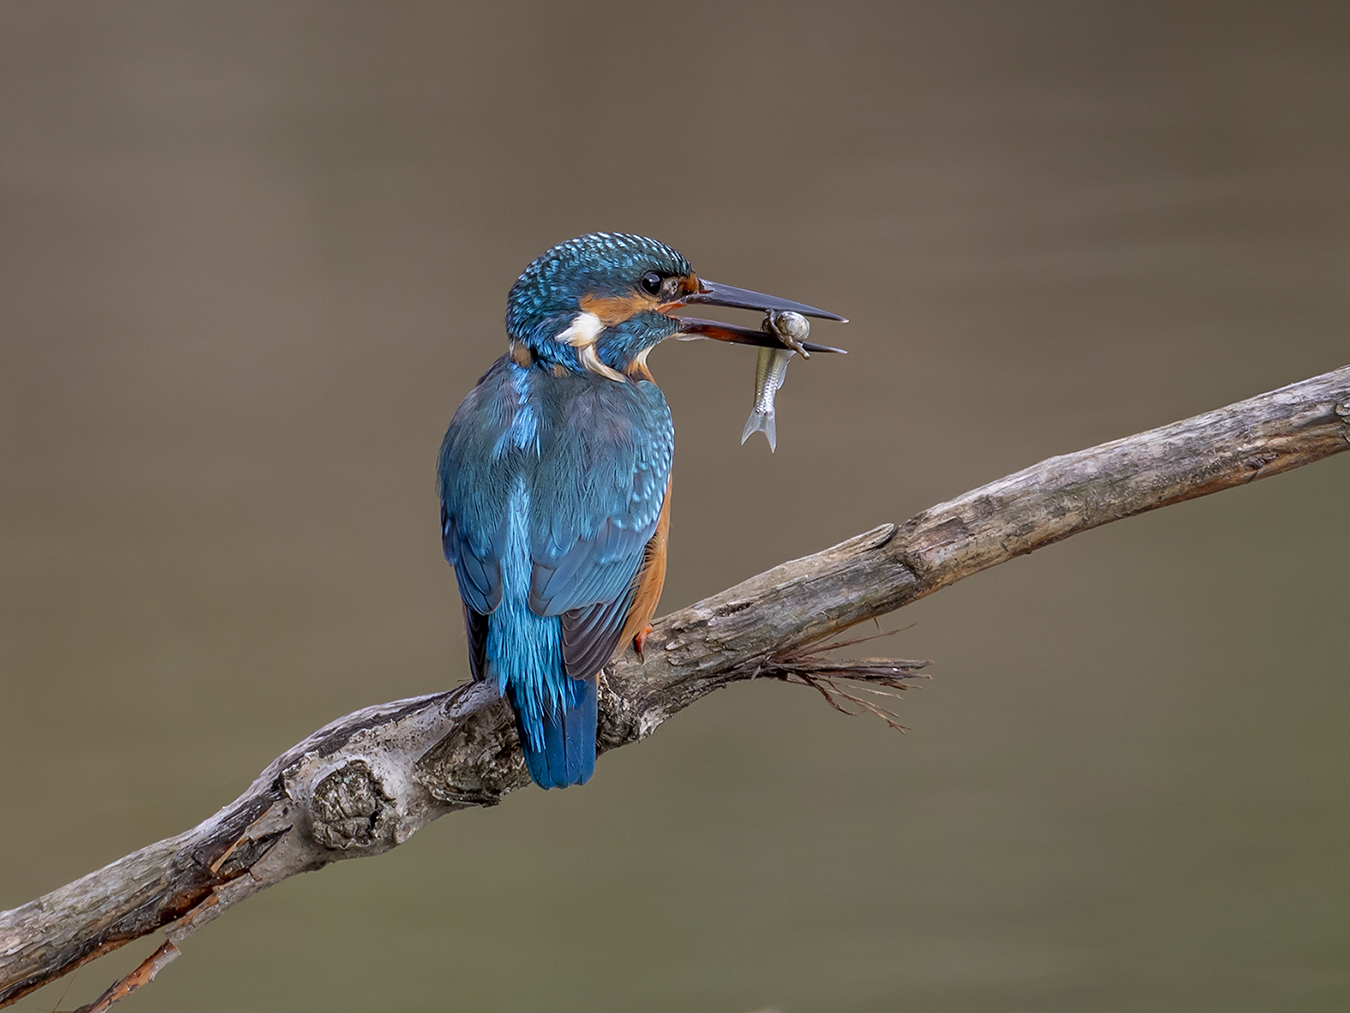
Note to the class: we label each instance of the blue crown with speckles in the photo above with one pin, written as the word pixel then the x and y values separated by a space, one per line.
pixel 602 263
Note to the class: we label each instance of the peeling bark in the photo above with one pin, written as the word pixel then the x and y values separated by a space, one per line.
pixel 368 781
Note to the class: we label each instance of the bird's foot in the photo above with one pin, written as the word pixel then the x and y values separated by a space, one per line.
pixel 640 641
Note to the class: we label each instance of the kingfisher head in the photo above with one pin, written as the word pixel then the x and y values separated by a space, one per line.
pixel 600 302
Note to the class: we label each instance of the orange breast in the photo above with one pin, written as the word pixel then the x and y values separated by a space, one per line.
pixel 650 578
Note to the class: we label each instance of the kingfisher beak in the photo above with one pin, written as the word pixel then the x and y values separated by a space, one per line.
pixel 712 293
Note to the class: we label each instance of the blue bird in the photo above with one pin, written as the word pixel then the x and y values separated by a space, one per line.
pixel 555 480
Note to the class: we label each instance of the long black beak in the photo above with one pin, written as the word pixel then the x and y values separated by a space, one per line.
pixel 713 294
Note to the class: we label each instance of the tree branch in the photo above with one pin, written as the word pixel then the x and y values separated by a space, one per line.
pixel 368 781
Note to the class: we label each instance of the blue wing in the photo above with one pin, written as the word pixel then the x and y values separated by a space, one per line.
pixel 598 491
pixel 475 482
pixel 598 497
pixel 594 457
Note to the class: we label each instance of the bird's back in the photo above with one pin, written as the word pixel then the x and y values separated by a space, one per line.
pixel 552 486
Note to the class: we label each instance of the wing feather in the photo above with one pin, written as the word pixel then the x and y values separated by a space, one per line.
pixel 598 495
pixel 475 632
pixel 475 480
pixel 594 457
pixel 590 635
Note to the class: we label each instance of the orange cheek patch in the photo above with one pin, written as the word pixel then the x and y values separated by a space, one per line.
pixel 615 309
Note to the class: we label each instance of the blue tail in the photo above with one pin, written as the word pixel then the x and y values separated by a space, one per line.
pixel 564 753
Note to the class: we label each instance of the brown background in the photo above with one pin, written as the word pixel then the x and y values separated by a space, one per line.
pixel 253 254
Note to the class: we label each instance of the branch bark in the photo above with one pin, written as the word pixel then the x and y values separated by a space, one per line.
pixel 368 781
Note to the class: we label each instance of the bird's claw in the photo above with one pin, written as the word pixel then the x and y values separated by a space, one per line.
pixel 640 641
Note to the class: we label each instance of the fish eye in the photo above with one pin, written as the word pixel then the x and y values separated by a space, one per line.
pixel 651 283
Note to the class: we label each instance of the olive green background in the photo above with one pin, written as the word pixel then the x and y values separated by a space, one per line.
pixel 253 254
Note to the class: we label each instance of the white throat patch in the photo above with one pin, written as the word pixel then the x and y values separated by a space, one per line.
pixel 585 329
pixel 582 334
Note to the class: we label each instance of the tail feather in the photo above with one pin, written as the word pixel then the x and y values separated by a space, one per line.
pixel 565 753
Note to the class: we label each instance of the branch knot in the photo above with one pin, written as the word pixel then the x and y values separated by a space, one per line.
pixel 353 810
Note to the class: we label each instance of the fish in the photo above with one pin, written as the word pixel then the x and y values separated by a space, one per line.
pixel 771 370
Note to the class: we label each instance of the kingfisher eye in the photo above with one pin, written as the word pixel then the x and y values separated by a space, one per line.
pixel 651 283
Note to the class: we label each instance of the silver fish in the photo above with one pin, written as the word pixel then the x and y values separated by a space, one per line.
pixel 771 370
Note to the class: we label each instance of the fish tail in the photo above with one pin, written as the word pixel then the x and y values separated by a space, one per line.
pixel 762 422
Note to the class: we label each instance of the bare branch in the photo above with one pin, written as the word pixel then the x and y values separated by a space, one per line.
pixel 370 780
pixel 143 974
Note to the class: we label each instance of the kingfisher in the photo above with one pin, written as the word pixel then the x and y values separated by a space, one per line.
pixel 555 482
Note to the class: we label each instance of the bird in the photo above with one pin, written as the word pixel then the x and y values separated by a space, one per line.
pixel 555 479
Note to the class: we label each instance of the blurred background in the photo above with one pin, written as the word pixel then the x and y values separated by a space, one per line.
pixel 254 254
